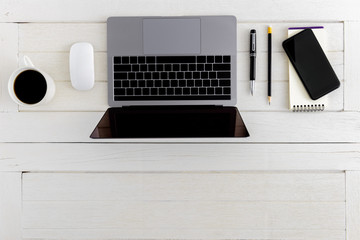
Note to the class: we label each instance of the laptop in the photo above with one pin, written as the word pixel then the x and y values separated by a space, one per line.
pixel 171 77
pixel 171 60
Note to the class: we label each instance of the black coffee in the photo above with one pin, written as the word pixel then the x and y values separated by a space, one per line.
pixel 30 87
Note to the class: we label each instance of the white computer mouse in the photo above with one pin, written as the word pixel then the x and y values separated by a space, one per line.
pixel 81 61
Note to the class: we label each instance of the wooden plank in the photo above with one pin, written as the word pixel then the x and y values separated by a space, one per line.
pixel 23 11
pixel 188 234
pixel 271 127
pixel 43 37
pixel 183 214
pixel 10 205
pixel 8 63
pixel 352 205
pixel 351 60
pixel 178 157
pixel 272 186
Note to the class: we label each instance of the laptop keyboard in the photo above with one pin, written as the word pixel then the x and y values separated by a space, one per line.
pixel 172 78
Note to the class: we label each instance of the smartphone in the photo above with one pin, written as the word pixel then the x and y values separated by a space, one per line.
pixel 311 64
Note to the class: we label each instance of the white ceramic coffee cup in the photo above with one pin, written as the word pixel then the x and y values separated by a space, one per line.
pixel 24 65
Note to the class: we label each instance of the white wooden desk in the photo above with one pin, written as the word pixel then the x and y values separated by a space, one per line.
pixel 296 177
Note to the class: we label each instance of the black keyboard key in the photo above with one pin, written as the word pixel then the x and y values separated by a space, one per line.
pixel 176 59
pixel 129 91
pixel 125 60
pixel 164 75
pixel 139 75
pixel 190 83
pixel 174 83
pixel 162 91
pixel 206 83
pixel 218 59
pixel 182 83
pixel 192 67
pixel 194 91
pixel 133 59
pixel 188 75
pixel 210 59
pixel 125 83
pixel 146 91
pixel 212 74
pixel 224 83
pixel 147 75
pixel 150 59
pixel 133 83
pixel 166 83
pixel 210 91
pixel 214 83
pixel 202 91
pixel 122 68
pixel 221 67
pixel 176 67
pixel 155 75
pixel 168 68
pixel 208 67
pixel 135 68
pixel 143 67
pixel 172 75
pixel 117 60
pixel 141 83
pixel 198 83
pixel 159 67
pixel 196 75
pixel 149 83
pixel 226 59
pixel 184 67
pixel 178 91
pixel 201 59
pixel 120 75
pixel 223 74
pixel 131 76
pixel 186 91
pixel 200 67
pixel 218 91
pixel 117 84
pixel 170 91
pixel 119 91
pixel 226 90
pixel 180 75
pixel 158 83
pixel 151 68
pixel 153 91
pixel 137 91
pixel 141 59
pixel 204 75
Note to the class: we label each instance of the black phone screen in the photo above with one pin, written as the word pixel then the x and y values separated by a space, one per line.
pixel 311 64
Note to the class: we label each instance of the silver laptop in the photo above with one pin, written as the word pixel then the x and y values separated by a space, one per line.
pixel 171 60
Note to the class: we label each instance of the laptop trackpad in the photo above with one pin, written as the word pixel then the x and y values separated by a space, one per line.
pixel 171 36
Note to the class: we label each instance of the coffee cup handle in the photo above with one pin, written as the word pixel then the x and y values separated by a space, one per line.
pixel 26 62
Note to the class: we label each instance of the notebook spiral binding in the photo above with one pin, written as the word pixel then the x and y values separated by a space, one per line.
pixel 308 108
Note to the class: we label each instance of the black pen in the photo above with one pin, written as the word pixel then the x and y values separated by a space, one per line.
pixel 269 63
pixel 252 60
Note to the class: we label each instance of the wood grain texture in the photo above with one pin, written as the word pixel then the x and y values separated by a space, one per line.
pixel 178 157
pixel 8 63
pixel 352 205
pixel 352 58
pixel 270 127
pixel 10 205
pixel 257 186
pixel 79 11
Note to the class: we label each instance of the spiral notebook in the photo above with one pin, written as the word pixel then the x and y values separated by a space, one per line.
pixel 299 98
